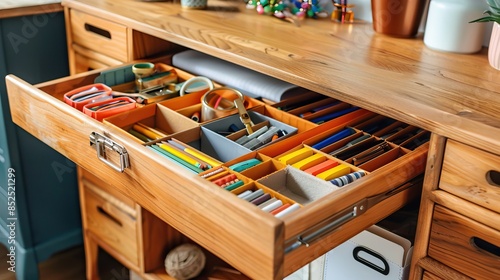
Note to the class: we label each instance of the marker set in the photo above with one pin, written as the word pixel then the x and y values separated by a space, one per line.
pixel 224 178
pixel 268 200
pixel 322 166
pixel 317 109
pixel 369 145
pixel 185 155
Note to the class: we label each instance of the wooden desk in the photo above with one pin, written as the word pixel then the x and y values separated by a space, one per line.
pixel 454 96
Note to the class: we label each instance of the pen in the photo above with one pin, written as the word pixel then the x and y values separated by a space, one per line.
pixel 178 154
pixel 351 143
pixel 210 162
pixel 175 159
pixel 334 138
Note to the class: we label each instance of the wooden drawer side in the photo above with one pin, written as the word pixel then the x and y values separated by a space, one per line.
pixel 464 244
pixel 467 173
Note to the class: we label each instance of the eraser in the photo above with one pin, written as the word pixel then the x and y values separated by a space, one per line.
pixel 325 165
pixel 240 166
pixel 332 173
pixel 309 161
pixel 296 156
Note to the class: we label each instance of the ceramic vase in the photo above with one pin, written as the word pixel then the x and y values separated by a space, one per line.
pixel 448 28
pixel 398 18
pixel 494 47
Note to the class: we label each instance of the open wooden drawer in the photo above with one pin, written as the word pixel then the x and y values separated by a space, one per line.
pixel 258 244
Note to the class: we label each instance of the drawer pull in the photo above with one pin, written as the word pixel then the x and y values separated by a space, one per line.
pixel 103 212
pixel 358 254
pixel 493 178
pixel 486 246
pixel 97 30
pixel 332 223
pixel 102 143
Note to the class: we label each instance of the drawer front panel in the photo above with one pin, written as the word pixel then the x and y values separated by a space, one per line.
pixel 430 276
pixel 112 224
pixel 212 217
pixel 471 174
pixel 464 244
pixel 99 35
pixel 87 60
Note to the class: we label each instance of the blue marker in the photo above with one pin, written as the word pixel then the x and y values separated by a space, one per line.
pixel 334 138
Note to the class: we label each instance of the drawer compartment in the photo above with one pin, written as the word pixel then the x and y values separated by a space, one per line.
pixel 101 35
pixel 111 221
pixel 464 244
pixel 471 174
pixel 210 216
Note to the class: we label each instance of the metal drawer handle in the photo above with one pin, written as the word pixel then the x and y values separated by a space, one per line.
pixel 102 143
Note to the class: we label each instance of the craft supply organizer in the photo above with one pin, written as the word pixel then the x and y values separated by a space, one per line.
pixel 160 203
pixel 146 166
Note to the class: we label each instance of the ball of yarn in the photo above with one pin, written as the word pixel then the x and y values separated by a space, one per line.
pixel 185 261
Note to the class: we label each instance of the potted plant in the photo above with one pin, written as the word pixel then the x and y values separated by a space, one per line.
pixel 493 15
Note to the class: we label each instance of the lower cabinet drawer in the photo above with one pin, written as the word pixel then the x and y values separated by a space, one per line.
pixel 429 276
pixel 112 222
pixel 471 174
pixel 464 244
pixel 87 60
pixel 254 242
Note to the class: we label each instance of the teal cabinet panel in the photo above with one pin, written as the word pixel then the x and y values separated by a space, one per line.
pixel 33 47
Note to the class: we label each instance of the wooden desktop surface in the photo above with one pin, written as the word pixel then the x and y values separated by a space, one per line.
pixel 454 95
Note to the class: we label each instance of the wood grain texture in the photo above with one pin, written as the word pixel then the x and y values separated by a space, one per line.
pixel 431 181
pixel 453 95
pixel 465 174
pixel 452 244
pixel 439 270
pixel 466 208
pixel 35 9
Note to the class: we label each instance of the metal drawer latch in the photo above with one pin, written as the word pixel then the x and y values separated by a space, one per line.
pixel 102 143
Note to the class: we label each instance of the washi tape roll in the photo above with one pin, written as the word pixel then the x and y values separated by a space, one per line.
pixel 347 179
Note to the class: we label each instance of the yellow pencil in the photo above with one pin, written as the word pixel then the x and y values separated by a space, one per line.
pixel 146 132
pixel 178 154
pixel 204 158
pixel 155 130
